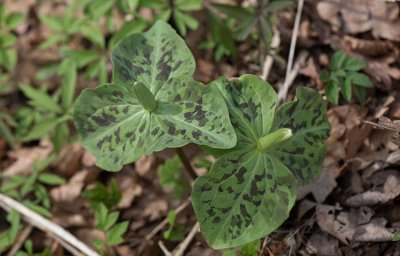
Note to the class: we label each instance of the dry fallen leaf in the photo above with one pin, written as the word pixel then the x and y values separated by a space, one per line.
pixel 391 129
pixel 25 158
pixel 88 159
pixel 360 16
pixel 375 231
pixel 68 160
pixel 129 187
pixel 373 48
pixel 391 189
pixel 71 191
pixel 311 71
pixel 320 243
pixel 146 166
pixel 325 183
pixel 341 224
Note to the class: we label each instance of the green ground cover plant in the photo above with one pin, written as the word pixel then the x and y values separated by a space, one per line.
pixel 344 77
pixel 263 152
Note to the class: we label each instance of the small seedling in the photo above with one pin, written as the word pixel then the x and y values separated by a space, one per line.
pixel 8 22
pixel 171 178
pixel 344 77
pixel 28 246
pixel 260 17
pixel 177 10
pixel 7 238
pixel 263 153
pixel 106 222
pixel 173 233
pixel 47 115
pixel 31 190
pixel 109 195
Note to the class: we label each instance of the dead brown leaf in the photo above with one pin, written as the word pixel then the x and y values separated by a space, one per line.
pixel 391 189
pixel 390 129
pixel 360 16
pixel 320 243
pixel 88 159
pixel 373 48
pixel 325 183
pixel 341 224
pixel 382 72
pixel 129 187
pixel 375 231
pixel 25 158
pixel 68 162
pixel 311 71
pixel 145 167
pixel 71 191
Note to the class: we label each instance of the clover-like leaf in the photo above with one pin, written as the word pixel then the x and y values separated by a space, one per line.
pixel 249 191
pixel 153 103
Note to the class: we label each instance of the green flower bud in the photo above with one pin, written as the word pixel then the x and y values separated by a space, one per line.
pixel 145 97
pixel 274 139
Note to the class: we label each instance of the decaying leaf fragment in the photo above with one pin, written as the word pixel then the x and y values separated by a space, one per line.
pixel 392 128
pixel 356 225
pixel 357 16
pixel 391 189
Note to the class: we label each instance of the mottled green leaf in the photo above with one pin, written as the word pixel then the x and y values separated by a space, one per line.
pixel 116 127
pixel 249 192
pixel 152 58
pixel 306 117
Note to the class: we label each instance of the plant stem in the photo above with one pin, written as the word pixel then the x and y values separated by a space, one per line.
pixel 186 163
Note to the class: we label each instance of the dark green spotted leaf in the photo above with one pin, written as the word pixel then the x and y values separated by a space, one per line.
pixel 249 191
pixel 153 103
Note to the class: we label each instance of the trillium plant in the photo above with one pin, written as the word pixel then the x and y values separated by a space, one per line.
pixel 263 153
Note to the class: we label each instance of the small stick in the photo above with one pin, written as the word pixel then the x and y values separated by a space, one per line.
pixel 164 249
pixel 294 38
pixel 276 40
pixel 379 126
pixel 289 67
pixel 186 163
pixel 285 87
pixel 20 240
pixel 54 230
pixel 160 226
pixel 185 243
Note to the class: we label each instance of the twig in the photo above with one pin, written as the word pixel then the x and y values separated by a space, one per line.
pixel 164 249
pixel 161 225
pixel 185 243
pixel 20 240
pixel 283 90
pixel 276 40
pixel 54 230
pixel 292 75
pixel 186 163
